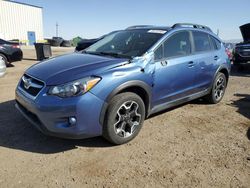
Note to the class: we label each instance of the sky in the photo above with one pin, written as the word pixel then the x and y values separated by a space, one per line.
pixel 93 18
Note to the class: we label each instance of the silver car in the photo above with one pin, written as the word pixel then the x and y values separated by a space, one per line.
pixel 2 66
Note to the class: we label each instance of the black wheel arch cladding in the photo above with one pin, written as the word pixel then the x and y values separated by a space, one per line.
pixel 141 87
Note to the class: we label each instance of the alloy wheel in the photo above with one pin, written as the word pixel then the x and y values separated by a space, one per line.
pixel 127 119
pixel 219 88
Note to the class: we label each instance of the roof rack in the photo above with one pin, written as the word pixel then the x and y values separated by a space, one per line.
pixel 138 26
pixel 191 25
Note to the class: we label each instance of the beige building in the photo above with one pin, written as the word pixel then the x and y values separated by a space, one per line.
pixel 21 21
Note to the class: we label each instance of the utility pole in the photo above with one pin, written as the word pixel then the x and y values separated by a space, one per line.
pixel 218 32
pixel 57 29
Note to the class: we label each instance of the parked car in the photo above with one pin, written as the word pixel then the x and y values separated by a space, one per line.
pixel 242 50
pixel 10 52
pixel 2 67
pixel 112 86
pixel 85 43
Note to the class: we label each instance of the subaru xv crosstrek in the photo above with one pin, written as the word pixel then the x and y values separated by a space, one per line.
pixel 111 87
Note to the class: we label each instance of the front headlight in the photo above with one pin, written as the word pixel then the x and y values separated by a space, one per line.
pixel 75 88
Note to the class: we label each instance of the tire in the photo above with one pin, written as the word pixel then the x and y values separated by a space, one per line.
pixel 58 40
pixel 124 118
pixel 66 43
pixel 3 58
pixel 218 89
pixel 55 43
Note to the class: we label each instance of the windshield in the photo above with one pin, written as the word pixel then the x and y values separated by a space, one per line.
pixel 127 43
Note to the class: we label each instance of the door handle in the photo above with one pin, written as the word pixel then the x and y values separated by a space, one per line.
pixel 216 58
pixel 164 63
pixel 190 64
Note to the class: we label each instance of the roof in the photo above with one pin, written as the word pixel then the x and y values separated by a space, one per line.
pixel 177 25
pixel 11 1
pixel 149 27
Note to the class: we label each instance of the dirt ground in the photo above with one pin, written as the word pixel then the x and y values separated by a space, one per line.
pixel 194 145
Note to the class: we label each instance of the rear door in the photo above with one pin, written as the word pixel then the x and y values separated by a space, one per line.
pixel 174 69
pixel 205 58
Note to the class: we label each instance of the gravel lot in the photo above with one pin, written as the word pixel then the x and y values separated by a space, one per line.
pixel 194 145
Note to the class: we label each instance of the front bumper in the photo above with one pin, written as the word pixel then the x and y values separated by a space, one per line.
pixel 50 114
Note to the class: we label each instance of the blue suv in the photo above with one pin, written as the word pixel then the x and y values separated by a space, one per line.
pixel 111 87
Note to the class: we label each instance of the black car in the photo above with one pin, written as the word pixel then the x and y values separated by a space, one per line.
pixel 10 52
pixel 242 50
pixel 85 43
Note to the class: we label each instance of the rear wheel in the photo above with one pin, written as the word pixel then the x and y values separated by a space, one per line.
pixel 124 118
pixel 218 89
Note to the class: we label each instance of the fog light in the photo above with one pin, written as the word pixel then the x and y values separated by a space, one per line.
pixel 72 120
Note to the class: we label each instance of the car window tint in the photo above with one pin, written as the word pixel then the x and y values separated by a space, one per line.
pixel 159 53
pixel 201 41
pixel 216 43
pixel 177 45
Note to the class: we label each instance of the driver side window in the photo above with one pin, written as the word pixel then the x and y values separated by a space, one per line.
pixel 177 45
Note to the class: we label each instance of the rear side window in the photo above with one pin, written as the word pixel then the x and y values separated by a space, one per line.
pixel 201 41
pixel 216 43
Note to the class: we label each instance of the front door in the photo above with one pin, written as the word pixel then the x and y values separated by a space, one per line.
pixel 174 70
pixel 31 37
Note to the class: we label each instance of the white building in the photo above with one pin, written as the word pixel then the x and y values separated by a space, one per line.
pixel 20 21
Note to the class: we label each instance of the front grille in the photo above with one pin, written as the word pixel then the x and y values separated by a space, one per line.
pixel 31 85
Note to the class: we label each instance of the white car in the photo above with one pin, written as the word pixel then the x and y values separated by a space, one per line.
pixel 2 66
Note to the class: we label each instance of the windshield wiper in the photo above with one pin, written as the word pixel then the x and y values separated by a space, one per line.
pixel 90 52
pixel 115 55
pixel 108 53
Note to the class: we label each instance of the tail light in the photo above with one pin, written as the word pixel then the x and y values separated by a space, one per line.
pixel 228 53
pixel 15 46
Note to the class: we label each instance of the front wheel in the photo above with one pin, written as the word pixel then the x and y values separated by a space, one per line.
pixel 4 59
pixel 218 89
pixel 124 118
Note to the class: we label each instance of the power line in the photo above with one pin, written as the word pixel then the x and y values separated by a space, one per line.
pixel 57 29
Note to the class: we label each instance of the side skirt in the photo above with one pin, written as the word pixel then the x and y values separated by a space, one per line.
pixel 171 104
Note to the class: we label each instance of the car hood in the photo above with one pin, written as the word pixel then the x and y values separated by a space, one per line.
pixel 66 68
pixel 245 31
